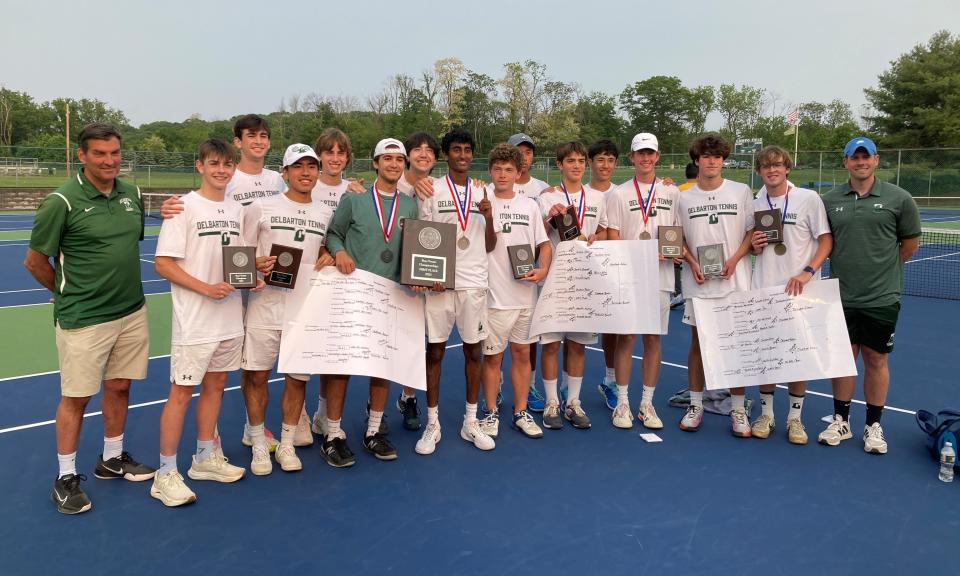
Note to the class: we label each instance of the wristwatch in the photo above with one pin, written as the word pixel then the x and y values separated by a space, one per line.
pixel 810 270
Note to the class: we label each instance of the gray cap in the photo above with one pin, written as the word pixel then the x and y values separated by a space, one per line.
pixel 520 138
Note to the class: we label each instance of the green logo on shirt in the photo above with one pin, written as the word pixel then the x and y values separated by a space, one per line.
pixel 300 235
pixel 714 219
pixel 225 238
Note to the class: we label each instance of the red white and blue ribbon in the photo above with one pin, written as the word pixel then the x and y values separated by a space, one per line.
pixel 786 202
pixel 651 195
pixel 385 226
pixel 582 208
pixel 463 208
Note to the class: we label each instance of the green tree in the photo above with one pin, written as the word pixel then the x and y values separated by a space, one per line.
pixel 597 115
pixel 740 107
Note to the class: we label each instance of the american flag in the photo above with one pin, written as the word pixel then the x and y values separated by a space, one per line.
pixel 793 118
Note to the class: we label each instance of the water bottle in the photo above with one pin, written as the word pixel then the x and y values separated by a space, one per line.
pixel 947 458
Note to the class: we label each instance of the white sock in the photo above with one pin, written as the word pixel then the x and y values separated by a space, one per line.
pixel 257 437
pixel 622 396
pixel 610 377
pixel 737 402
pixel 574 384
pixel 550 389
pixel 204 450
pixel 322 407
pixel 696 398
pixel 287 432
pixel 766 404
pixel 433 415
pixel 796 407
pixel 68 464
pixel 647 397
pixel 168 465
pixel 112 447
pixel 303 411
pixel 373 424
pixel 470 415
pixel 333 429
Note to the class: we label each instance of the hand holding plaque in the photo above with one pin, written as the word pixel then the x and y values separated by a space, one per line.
pixel 566 224
pixel 284 273
pixel 240 266
pixel 711 259
pixel 428 253
pixel 670 241
pixel 521 260
pixel 770 222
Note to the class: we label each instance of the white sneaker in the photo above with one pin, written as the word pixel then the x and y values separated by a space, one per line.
pixel 260 463
pixel 647 415
pixel 287 458
pixel 171 490
pixel 527 426
pixel 490 425
pixel 691 418
pixel 319 424
pixel 836 432
pixel 428 442
pixel 215 468
pixel 739 424
pixel 622 418
pixel 873 441
pixel 272 442
pixel 303 436
pixel 471 432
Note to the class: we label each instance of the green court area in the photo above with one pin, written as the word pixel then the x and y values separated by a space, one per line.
pixel 27 345
pixel 25 234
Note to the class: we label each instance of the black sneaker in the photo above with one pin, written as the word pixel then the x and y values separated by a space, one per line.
pixel 380 447
pixel 336 452
pixel 68 496
pixel 384 429
pixel 123 466
pixel 410 411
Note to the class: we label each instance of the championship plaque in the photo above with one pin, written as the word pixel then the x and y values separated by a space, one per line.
pixel 240 266
pixel 284 273
pixel 770 223
pixel 428 253
pixel 711 260
pixel 670 241
pixel 521 259
pixel 566 224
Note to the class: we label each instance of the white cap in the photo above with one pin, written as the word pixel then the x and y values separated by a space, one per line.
pixel 644 141
pixel 295 152
pixel 385 147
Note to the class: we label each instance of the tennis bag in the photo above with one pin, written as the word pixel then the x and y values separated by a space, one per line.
pixel 944 426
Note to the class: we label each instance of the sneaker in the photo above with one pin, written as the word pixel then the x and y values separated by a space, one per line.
pixel 483 403
pixel 68 496
pixel 272 442
pixel 647 415
pixel 490 425
pixel 609 394
pixel 304 435
pixel 796 433
pixel 762 427
pixel 336 452
pixel 525 423
pixel 380 447
pixel 575 415
pixel 691 419
pixel 535 400
pixel 260 463
pixel 836 432
pixel 319 423
pixel 410 411
pixel 873 441
pixel 551 416
pixel 122 466
pixel 676 301
pixel 172 490
pixel 622 418
pixel 428 442
pixel 384 428
pixel 471 432
pixel 215 468
pixel 739 424
pixel 287 458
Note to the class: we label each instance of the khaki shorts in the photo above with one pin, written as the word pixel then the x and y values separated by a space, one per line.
pixel 189 363
pixel 115 349
pixel 507 326
pixel 465 308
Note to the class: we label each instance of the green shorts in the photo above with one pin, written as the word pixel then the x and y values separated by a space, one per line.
pixel 873 327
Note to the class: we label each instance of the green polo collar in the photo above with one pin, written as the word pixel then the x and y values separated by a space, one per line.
pixel 91 190
pixel 873 191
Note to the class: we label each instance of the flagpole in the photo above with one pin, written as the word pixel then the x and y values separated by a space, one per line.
pixel 796 139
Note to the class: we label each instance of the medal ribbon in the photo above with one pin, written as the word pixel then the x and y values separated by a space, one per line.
pixel 582 208
pixel 786 202
pixel 651 194
pixel 385 226
pixel 463 208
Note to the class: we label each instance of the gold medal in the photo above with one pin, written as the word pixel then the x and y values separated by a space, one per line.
pixel 582 237
pixel 463 243
pixel 644 235
pixel 780 249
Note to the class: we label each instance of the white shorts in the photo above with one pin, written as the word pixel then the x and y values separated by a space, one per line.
pixel 584 338
pixel 689 318
pixel 507 326
pixel 465 308
pixel 189 363
pixel 664 312
pixel 261 348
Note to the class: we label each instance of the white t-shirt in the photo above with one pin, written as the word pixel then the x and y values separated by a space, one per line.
pixel 517 221
pixel 245 188
pixel 195 237
pixel 805 221
pixel 406 187
pixel 441 207
pixel 280 220
pixel 329 195
pixel 720 216
pixel 625 215
pixel 531 188
pixel 610 188
pixel 595 215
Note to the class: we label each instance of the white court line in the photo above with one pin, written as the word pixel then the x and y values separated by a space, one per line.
pixel 2 244
pixel 45 290
pixel 147 261
pixel 932 257
pixel 50 304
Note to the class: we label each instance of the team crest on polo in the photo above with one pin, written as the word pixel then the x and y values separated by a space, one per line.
pixel 877 207
pixel 127 204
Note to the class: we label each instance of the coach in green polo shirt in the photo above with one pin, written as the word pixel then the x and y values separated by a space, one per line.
pixel 91 227
pixel 876 228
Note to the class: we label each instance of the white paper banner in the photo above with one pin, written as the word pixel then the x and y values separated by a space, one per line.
pixel 358 324
pixel 768 337
pixel 610 287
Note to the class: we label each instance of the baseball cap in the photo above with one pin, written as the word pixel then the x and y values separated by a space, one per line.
pixel 860 142
pixel 644 141
pixel 521 138
pixel 295 152
pixel 385 147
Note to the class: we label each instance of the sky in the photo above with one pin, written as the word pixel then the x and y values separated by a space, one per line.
pixel 169 60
